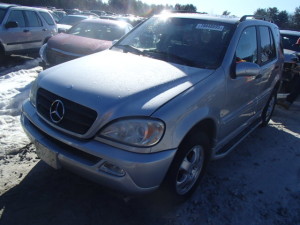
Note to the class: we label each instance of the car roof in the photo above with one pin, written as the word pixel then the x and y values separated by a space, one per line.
pixel 253 19
pixel 104 21
pixel 80 16
pixel 290 32
pixel 5 6
pixel 201 16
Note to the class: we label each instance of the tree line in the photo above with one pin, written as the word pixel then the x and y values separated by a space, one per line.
pixel 136 7
pixel 283 19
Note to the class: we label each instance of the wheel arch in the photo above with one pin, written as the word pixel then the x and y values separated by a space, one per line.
pixel 46 39
pixel 206 126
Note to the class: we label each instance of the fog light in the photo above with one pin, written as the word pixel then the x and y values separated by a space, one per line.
pixel 112 169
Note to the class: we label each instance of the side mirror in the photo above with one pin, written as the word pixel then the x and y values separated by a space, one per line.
pixel 11 24
pixel 245 69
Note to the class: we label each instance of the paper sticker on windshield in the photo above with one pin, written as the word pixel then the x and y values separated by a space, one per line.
pixel 210 27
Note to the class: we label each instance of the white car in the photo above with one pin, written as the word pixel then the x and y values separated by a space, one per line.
pixel 24 29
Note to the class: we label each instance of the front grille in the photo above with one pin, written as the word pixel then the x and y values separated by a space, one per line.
pixel 55 57
pixel 77 118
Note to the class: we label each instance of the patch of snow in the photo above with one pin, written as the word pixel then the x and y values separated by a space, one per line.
pixel 14 89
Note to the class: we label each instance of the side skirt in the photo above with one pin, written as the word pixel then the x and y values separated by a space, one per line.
pixel 236 140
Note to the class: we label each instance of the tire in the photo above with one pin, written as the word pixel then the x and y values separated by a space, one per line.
pixel 188 167
pixel 2 54
pixel 268 109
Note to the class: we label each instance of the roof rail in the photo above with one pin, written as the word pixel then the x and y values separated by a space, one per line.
pixel 243 18
pixel 185 11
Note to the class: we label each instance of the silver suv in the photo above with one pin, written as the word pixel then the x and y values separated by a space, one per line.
pixel 153 110
pixel 24 29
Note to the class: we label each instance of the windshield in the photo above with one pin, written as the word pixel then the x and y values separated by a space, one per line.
pixel 2 14
pixel 192 42
pixel 289 42
pixel 70 20
pixel 97 31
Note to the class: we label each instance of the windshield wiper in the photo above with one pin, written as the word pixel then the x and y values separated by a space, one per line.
pixel 171 57
pixel 129 48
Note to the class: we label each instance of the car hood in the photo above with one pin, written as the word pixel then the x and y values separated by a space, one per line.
pixel 77 44
pixel 117 84
pixel 63 27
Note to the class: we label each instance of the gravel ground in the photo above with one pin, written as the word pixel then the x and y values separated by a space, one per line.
pixel 258 183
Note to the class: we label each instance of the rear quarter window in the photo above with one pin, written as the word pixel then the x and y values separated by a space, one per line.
pixel 33 19
pixel 47 18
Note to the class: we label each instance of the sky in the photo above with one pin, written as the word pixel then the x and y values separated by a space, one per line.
pixel 236 7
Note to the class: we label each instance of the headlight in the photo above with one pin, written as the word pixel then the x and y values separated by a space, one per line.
pixel 33 91
pixel 137 132
pixel 43 53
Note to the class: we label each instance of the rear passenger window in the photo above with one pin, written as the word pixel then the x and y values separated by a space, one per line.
pixel 247 47
pixel 47 18
pixel 33 19
pixel 268 52
pixel 17 16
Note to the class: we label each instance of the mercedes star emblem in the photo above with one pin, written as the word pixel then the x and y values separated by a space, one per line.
pixel 57 111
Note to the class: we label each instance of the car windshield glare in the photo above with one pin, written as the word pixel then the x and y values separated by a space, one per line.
pixel 191 42
pixel 97 31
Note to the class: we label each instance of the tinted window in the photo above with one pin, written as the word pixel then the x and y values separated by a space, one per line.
pixel 247 47
pixel 33 19
pixel 97 31
pixel 48 18
pixel 17 16
pixel 268 52
pixel 2 14
pixel 289 42
pixel 70 20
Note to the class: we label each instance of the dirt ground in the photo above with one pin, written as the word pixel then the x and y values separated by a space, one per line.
pixel 257 184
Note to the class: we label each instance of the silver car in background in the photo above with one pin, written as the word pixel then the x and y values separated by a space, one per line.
pixel 24 29
pixel 178 90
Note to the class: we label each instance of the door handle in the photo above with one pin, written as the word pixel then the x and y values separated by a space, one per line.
pixel 25 30
pixel 44 29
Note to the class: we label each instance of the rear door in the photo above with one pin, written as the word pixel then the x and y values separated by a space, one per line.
pixel 268 61
pixel 34 29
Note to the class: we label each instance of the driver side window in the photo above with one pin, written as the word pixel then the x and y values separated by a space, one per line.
pixel 246 50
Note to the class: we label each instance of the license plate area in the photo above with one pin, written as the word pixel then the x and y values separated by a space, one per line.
pixel 48 156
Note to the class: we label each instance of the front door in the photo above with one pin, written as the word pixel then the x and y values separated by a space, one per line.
pixel 242 91
pixel 14 38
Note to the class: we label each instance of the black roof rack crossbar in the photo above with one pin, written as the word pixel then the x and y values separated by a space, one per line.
pixel 243 18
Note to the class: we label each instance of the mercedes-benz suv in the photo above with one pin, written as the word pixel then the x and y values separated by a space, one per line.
pixel 178 90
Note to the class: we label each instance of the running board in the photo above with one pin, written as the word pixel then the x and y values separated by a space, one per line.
pixel 237 140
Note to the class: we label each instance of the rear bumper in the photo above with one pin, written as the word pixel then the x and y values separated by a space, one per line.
pixel 142 172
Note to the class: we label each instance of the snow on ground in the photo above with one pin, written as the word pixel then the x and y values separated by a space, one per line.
pixel 14 89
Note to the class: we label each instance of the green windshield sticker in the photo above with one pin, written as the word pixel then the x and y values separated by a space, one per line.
pixel 210 27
